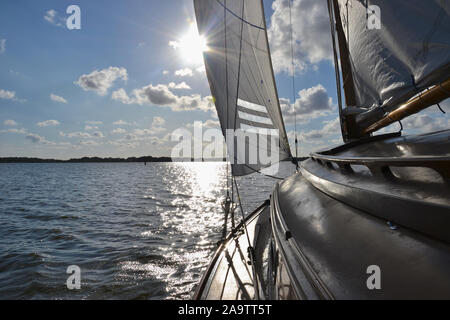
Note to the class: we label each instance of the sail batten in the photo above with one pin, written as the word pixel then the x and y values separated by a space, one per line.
pixel 240 74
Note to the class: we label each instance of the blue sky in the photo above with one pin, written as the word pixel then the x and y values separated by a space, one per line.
pixel 69 93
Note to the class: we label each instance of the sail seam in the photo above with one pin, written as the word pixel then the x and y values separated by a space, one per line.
pixel 234 14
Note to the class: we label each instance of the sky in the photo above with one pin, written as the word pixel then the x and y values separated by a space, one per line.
pixel 130 76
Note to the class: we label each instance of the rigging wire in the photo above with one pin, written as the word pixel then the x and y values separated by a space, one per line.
pixel 234 14
pixel 293 84
pixel 251 251
pixel 226 88
pixel 228 203
pixel 250 247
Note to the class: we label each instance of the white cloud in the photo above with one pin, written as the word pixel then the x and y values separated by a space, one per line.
pixel 311 103
pixel 53 17
pixel 313 140
pixel 201 69
pixel 165 72
pixel 56 98
pixel 121 123
pixel 182 85
pixel 119 131
pixel 2 46
pixel 208 124
pixel 8 95
pixel 330 128
pixel 186 72
pixel 158 122
pixel 98 134
pixel 48 123
pixel 156 128
pixel 83 135
pixel 94 122
pixel 89 127
pixel 101 81
pixel 160 95
pixel 424 123
pixel 174 44
pixel 311 32
pixel 10 123
pixel 79 135
pixel 15 130
pixel 34 138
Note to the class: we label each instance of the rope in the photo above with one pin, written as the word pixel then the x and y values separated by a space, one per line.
pixel 439 106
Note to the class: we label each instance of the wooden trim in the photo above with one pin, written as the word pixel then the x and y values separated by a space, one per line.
pixel 427 99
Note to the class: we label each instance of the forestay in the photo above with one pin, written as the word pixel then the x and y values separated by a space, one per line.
pixel 409 52
pixel 239 70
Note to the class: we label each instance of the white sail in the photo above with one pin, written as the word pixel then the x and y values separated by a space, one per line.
pixel 408 51
pixel 239 70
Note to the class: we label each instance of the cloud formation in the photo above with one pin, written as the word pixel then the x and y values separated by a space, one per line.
pixel 186 72
pixel 100 81
pixel 48 123
pixel 424 123
pixel 8 95
pixel 83 135
pixel 182 85
pixel 2 46
pixel 122 123
pixel 161 95
pixel 10 123
pixel 52 16
pixel 56 98
pixel 311 33
pixel 330 128
pixel 311 103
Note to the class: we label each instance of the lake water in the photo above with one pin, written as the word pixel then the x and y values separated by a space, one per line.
pixel 135 231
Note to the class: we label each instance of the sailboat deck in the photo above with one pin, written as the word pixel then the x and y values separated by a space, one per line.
pixel 230 276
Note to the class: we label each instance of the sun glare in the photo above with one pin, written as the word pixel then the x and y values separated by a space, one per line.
pixel 191 46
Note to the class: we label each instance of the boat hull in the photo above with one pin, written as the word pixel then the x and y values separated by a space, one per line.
pixel 341 232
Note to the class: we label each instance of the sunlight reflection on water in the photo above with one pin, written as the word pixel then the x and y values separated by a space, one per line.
pixel 137 232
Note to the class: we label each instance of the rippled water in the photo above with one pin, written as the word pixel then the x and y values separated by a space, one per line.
pixel 136 232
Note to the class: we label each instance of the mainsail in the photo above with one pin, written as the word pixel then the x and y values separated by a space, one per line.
pixel 393 60
pixel 240 74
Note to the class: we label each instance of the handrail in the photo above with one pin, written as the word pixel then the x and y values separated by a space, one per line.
pixel 439 164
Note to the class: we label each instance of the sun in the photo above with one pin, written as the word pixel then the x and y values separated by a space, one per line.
pixel 191 46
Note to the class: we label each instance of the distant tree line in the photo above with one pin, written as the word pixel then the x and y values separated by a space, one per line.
pixel 84 159
pixel 98 159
